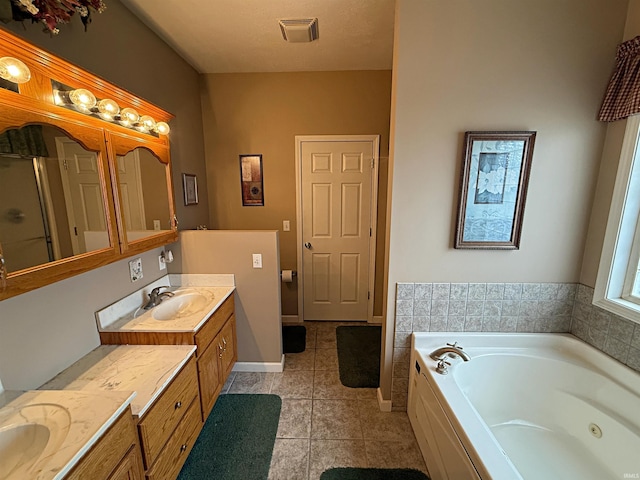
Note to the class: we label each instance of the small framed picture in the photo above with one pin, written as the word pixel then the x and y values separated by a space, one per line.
pixel 493 189
pixel 190 185
pixel 251 180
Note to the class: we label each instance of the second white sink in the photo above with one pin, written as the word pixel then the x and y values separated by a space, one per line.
pixel 182 304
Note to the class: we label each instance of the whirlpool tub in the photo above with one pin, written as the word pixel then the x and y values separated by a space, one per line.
pixel 525 406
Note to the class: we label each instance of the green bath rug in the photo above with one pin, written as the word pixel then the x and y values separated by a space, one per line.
pixel 373 474
pixel 359 355
pixel 237 440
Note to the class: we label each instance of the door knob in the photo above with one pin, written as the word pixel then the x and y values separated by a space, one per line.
pixel 307 245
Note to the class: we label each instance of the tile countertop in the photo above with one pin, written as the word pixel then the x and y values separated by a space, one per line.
pixel 121 316
pixel 145 369
pixel 77 421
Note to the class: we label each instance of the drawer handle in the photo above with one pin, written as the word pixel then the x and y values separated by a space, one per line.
pixel 183 448
pixel 178 405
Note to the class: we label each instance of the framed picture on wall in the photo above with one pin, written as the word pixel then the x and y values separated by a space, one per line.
pixel 251 180
pixel 493 189
pixel 190 186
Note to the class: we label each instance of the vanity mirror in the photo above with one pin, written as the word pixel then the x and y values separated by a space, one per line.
pixel 85 172
pixel 51 196
pixel 142 171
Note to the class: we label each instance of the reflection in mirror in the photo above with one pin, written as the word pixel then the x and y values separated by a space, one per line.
pixel 51 200
pixel 144 194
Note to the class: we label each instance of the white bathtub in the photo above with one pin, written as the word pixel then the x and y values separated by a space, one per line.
pixel 530 406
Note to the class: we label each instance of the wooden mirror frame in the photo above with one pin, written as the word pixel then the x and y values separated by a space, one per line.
pixel 34 103
pixel 120 145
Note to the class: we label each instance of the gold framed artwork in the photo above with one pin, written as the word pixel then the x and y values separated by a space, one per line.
pixel 251 180
pixel 493 189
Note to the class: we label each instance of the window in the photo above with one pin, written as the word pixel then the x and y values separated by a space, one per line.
pixel 618 283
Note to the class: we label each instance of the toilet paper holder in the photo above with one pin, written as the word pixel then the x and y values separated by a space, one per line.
pixel 294 273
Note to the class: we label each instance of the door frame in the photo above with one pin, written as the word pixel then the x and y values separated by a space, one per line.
pixel 375 139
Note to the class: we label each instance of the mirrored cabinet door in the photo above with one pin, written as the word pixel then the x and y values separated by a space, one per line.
pixel 144 194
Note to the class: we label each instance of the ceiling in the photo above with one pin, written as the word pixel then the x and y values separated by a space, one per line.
pixel 229 36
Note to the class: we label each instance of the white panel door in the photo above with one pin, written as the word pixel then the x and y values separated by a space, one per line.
pixel 336 191
pixel 130 180
pixel 82 190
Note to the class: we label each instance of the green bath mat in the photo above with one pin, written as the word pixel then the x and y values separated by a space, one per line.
pixel 373 474
pixel 359 356
pixel 237 440
pixel 294 338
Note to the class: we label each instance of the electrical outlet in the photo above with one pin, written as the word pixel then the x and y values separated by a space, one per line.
pixel 161 262
pixel 257 260
pixel 135 269
pixel 156 225
pixel 286 225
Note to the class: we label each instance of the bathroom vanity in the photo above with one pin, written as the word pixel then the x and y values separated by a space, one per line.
pixel 165 411
pixel 68 434
pixel 198 315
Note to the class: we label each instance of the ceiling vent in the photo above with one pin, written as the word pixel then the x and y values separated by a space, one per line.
pixel 298 31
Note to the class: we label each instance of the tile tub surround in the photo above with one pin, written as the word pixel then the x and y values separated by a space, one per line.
pixel 616 336
pixel 505 307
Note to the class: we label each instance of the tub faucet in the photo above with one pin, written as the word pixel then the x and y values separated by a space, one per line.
pixel 155 297
pixel 452 350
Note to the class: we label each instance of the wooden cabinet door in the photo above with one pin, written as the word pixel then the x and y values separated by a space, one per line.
pixel 227 337
pixel 210 377
pixel 130 468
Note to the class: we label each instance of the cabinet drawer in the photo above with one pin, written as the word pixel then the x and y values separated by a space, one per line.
pixel 159 423
pixel 179 445
pixel 214 324
pixel 105 455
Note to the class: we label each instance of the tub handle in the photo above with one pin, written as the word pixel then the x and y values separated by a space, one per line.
pixel 441 368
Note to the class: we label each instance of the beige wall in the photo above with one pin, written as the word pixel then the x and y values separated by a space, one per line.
pixel 465 65
pixel 44 331
pixel 257 289
pixel 607 175
pixel 262 113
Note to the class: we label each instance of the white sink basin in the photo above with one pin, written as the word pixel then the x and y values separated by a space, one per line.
pixel 184 303
pixel 25 435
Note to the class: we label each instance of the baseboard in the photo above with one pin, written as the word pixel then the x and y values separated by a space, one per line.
pixel 384 405
pixel 286 319
pixel 376 320
pixel 259 366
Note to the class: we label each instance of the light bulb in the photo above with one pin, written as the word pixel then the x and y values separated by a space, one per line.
pixel 146 123
pixel 14 70
pixel 162 128
pixel 82 98
pixel 108 108
pixel 128 116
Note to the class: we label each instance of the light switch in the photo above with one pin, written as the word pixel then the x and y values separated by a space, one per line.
pixel 257 260
pixel 286 225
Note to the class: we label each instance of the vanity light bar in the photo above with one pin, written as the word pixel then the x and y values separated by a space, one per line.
pixel 14 70
pixel 84 101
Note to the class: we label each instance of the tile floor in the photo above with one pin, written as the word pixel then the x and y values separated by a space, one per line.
pixel 324 424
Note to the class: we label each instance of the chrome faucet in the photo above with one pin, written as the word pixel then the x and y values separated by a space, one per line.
pixel 452 350
pixel 155 297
